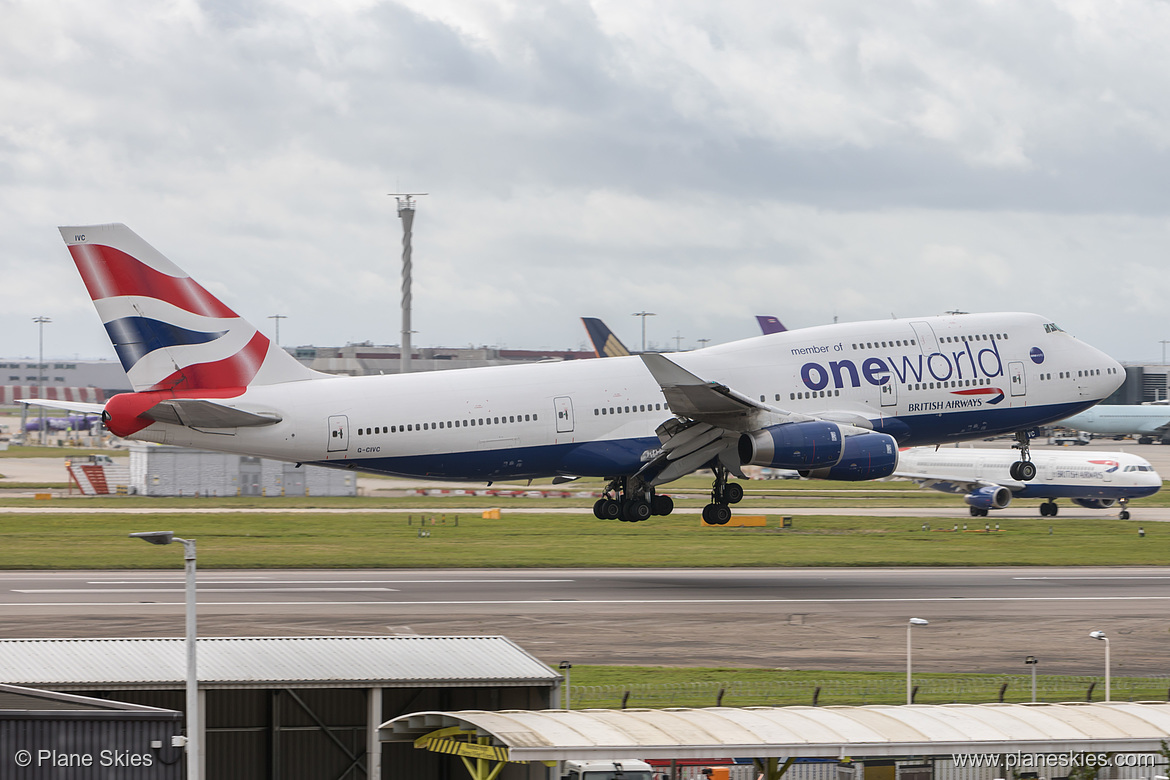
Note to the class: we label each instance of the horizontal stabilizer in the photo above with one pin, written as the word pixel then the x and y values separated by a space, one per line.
pixel 197 413
pixel 73 406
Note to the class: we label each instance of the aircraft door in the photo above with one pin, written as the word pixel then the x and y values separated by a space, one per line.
pixel 1016 379
pixel 889 391
pixel 563 406
pixel 338 433
pixel 927 341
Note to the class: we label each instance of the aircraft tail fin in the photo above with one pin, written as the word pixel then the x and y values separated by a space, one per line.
pixel 605 343
pixel 769 324
pixel 170 333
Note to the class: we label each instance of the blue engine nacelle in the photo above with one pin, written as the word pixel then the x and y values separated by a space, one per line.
pixel 864 456
pixel 989 497
pixel 800 445
pixel 1095 503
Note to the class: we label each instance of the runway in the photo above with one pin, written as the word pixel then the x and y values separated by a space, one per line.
pixel 982 620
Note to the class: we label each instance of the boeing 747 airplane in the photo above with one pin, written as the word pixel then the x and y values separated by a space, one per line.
pixel 834 401
pixel 1094 480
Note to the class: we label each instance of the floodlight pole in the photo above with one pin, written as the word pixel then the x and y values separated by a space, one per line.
pixel 1101 635
pixel 40 321
pixel 565 666
pixel 194 744
pixel 1033 661
pixel 644 314
pixel 909 674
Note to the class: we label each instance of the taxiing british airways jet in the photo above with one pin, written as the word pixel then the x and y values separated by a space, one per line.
pixel 834 401
pixel 1094 480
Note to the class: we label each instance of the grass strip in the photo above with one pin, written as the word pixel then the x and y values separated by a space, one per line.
pixel 655 686
pixel 454 540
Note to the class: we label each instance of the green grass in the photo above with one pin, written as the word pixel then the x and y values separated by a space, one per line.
pixel 20 451
pixel 658 686
pixel 387 540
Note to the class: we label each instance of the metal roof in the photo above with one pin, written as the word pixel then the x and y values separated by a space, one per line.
pixel 17 702
pixel 258 662
pixel 811 732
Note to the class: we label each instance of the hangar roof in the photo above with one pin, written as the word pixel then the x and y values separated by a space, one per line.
pixel 812 732
pixel 334 662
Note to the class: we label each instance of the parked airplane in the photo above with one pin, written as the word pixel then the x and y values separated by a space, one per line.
pixel 72 422
pixel 833 401
pixel 1149 422
pixel 769 324
pixel 1094 480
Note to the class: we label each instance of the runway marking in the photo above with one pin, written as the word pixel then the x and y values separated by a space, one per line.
pixel 205 590
pixel 1144 577
pixel 561 603
pixel 179 581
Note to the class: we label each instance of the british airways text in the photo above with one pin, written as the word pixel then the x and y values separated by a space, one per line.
pixel 967 363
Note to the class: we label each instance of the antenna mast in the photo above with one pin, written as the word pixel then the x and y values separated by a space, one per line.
pixel 406 214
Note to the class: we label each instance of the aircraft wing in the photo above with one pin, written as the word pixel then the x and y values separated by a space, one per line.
pixel 693 397
pixel 72 406
pixel 952 484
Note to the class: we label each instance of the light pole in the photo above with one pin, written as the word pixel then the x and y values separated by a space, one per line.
pixel 1101 635
pixel 1033 661
pixel 40 321
pixel 278 318
pixel 166 537
pixel 565 666
pixel 644 315
pixel 910 625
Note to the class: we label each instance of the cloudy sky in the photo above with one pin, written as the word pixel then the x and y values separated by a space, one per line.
pixel 704 161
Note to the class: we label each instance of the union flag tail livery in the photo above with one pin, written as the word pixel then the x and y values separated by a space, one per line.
pixel 170 333
pixel 834 401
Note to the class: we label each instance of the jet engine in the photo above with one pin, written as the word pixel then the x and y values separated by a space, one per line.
pixel 989 497
pixel 1095 503
pixel 799 445
pixel 865 456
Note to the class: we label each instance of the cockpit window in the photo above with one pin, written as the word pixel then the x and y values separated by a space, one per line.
pixel 1052 327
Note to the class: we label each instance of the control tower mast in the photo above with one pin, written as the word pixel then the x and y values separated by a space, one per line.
pixel 406 214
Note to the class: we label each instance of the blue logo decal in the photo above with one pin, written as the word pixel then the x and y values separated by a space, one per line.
pixel 1037 355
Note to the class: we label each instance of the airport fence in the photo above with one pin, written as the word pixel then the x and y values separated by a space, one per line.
pixel 891 690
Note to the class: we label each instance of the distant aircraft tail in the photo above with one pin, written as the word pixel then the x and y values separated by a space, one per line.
pixel 769 324
pixel 605 343
pixel 170 333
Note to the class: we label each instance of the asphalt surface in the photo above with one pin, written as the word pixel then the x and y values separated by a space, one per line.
pixel 981 620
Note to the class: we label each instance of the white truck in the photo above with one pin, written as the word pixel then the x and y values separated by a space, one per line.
pixel 619 769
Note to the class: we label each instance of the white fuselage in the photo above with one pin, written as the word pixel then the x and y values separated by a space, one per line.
pixel 924 381
pixel 1121 420
pixel 1074 474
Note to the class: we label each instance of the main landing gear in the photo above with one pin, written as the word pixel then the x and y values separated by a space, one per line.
pixel 723 494
pixel 622 501
pixel 1049 508
pixel 1023 469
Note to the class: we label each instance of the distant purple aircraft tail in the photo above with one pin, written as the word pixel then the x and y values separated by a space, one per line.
pixel 769 324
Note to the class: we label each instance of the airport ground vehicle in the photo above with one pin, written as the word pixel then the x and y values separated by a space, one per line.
pixel 624 769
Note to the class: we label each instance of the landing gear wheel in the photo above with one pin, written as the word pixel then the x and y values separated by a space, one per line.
pixel 717 514
pixel 662 505
pixel 1023 470
pixel 733 493
pixel 1124 514
pixel 978 512
pixel 607 509
pixel 635 511
pixel 1049 509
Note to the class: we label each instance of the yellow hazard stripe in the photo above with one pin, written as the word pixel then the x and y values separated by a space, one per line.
pixel 469 749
